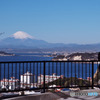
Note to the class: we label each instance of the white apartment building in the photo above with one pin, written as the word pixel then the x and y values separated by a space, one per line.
pixel 9 83
pixel 48 78
pixel 27 80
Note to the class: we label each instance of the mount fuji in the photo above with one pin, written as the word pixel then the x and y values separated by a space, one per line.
pixel 23 40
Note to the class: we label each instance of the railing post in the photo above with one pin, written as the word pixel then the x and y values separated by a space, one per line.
pixel 44 78
pixel 92 74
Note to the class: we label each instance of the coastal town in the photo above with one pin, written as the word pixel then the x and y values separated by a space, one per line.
pixel 28 80
pixel 2 53
pixel 85 56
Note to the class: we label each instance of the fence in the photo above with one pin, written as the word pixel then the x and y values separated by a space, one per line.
pixel 36 75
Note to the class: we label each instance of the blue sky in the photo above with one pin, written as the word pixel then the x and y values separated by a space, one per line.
pixel 55 21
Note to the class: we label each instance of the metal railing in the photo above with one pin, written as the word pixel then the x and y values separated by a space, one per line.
pixel 42 75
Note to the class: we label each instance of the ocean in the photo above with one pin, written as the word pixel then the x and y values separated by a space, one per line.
pixel 26 57
pixel 80 70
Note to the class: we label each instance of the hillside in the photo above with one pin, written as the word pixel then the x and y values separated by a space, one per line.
pixel 78 56
pixel 2 53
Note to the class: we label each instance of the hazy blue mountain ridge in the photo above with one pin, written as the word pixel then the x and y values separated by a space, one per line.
pixel 22 40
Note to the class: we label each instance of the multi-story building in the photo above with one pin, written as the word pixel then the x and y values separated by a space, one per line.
pixel 48 78
pixel 9 83
pixel 27 80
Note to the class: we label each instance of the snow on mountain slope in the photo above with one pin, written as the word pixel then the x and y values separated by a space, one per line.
pixel 21 35
pixel 21 39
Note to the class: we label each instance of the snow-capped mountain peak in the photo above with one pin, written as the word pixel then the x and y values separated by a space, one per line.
pixel 21 35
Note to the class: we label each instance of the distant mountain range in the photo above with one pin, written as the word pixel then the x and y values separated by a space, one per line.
pixel 22 40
